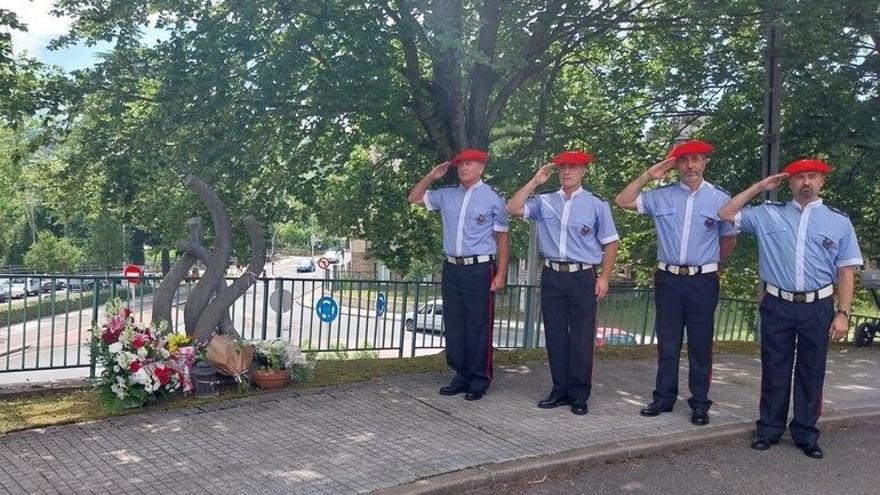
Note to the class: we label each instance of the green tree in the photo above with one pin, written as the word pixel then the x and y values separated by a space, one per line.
pixel 108 241
pixel 51 254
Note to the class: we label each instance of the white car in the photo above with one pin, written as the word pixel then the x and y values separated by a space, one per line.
pixel 429 317
pixel 15 288
pixel 333 256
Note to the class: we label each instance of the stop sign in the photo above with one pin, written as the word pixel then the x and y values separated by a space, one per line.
pixel 133 274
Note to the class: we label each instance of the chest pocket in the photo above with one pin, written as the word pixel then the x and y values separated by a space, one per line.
pixel 478 219
pixel 582 224
pixel 709 220
pixel 826 242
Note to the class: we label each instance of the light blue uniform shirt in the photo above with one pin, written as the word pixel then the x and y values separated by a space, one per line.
pixel 470 218
pixel 800 250
pixel 687 223
pixel 572 230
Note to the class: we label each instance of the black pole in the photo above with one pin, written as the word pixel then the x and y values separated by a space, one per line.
pixel 772 99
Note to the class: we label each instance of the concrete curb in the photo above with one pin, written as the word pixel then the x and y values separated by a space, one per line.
pixel 489 475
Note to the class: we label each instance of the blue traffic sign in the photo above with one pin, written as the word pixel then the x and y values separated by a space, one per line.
pixel 380 304
pixel 327 309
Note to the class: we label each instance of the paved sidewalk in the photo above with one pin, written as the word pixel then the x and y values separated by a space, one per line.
pixel 379 434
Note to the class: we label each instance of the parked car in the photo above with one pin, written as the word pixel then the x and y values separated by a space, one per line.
pixel 18 287
pixel 306 265
pixel 48 284
pixel 613 336
pixel 429 317
pixel 32 286
pixel 4 292
pixel 81 285
pixel 333 256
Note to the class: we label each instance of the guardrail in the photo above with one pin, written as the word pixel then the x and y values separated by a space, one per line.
pixel 48 326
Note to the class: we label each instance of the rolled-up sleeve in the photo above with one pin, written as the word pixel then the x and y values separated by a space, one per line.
pixel 501 223
pixel 849 253
pixel 645 202
pixel 747 219
pixel 433 199
pixel 532 209
pixel 606 230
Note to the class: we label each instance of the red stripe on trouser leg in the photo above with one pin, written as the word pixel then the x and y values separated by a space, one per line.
pixel 489 349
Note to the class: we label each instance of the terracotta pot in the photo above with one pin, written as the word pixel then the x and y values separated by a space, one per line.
pixel 270 380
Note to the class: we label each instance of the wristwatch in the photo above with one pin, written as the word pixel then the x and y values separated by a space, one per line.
pixel 844 312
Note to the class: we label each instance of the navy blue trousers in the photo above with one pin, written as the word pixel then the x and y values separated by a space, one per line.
pixel 568 302
pixel 789 328
pixel 468 318
pixel 684 302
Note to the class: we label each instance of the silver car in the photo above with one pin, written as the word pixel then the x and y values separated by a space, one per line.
pixel 429 317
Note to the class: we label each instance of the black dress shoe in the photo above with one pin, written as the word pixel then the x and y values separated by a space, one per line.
pixel 811 450
pixel 763 443
pixel 654 409
pixel 579 407
pixel 474 395
pixel 553 401
pixel 452 390
pixel 700 417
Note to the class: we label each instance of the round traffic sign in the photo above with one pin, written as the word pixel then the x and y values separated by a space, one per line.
pixel 380 304
pixel 133 274
pixel 281 300
pixel 323 263
pixel 327 309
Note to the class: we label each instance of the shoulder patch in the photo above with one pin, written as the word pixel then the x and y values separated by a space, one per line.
pixel 663 187
pixel 546 193
pixel 725 191
pixel 773 203
pixel 839 212
pixel 596 195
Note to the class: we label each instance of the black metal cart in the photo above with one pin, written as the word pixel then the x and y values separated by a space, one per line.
pixel 866 331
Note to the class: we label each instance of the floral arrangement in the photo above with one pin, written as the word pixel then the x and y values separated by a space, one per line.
pixel 141 363
pixel 276 355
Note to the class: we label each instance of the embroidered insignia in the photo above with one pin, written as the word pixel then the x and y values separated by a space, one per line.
pixel 481 219
pixel 585 230
pixel 710 222
pixel 828 243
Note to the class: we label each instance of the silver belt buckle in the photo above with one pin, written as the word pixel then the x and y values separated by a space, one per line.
pixel 684 270
pixel 563 267
pixel 799 297
pixel 459 261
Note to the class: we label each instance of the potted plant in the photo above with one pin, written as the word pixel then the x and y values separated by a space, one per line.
pixel 277 361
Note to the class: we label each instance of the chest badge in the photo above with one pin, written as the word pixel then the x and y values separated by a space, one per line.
pixel 481 219
pixel 827 243
pixel 585 230
pixel 709 223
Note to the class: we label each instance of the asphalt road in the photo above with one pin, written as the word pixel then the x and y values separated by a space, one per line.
pixel 728 468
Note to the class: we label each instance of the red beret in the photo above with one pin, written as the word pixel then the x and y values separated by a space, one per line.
pixel 695 147
pixel 572 158
pixel 470 155
pixel 807 165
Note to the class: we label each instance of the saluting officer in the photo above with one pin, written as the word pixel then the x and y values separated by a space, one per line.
pixel 575 234
pixel 691 242
pixel 474 230
pixel 804 248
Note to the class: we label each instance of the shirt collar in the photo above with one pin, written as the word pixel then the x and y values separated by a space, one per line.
pixel 577 191
pixel 687 188
pixel 478 184
pixel 809 205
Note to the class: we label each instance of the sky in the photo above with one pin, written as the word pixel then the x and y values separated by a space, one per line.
pixel 43 27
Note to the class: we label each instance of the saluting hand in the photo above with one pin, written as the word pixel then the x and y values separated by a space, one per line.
pixel 543 174
pixel 439 171
pixel 839 327
pixel 771 182
pixel 660 170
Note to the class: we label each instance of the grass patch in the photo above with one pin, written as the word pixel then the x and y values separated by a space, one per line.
pixel 63 407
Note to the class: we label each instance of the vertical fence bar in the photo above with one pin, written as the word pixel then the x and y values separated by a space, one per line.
pixel 279 287
pixel 95 308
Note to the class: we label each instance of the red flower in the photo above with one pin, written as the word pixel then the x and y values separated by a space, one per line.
pixel 134 366
pixel 140 340
pixel 126 312
pixel 163 373
pixel 110 336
